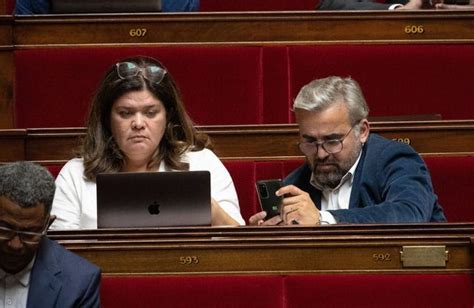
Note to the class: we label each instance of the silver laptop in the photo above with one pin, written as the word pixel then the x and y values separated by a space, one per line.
pixel 104 6
pixel 153 199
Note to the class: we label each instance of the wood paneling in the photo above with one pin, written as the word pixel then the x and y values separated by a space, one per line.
pixel 246 28
pixel 6 88
pixel 3 7
pixel 6 31
pixel 6 70
pixel 249 141
pixel 279 250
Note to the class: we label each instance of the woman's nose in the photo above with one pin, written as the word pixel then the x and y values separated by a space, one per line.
pixel 138 122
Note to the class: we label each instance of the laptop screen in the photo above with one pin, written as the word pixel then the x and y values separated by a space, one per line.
pixel 153 199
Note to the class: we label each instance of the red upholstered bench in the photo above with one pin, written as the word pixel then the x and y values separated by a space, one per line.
pixel 396 79
pixel 452 178
pixel 379 290
pixel 252 84
pixel 204 291
pixel 453 181
pixel 339 290
pixel 220 84
pixel 9 6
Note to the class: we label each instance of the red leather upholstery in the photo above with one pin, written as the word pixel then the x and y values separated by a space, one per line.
pixel 220 85
pixel 453 181
pixel 9 6
pixel 395 79
pixel 252 84
pixel 206 291
pixel 324 290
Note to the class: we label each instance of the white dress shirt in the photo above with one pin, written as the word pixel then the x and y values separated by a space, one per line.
pixel 14 287
pixel 338 197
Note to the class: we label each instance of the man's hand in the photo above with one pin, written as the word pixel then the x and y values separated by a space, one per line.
pixel 259 220
pixel 297 207
pixel 411 5
pixel 441 6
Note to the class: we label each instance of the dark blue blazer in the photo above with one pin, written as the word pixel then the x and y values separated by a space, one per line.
pixel 391 185
pixel 357 4
pixel 27 7
pixel 60 278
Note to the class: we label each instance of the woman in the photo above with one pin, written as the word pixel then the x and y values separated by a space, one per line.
pixel 138 123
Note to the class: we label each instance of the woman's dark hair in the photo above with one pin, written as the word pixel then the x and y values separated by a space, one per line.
pixel 100 151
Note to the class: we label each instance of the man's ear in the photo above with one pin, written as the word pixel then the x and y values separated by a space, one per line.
pixel 364 130
pixel 52 218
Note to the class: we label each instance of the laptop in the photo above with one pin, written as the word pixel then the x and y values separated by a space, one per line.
pixel 104 6
pixel 153 199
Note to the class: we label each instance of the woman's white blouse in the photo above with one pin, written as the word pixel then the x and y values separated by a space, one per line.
pixel 75 199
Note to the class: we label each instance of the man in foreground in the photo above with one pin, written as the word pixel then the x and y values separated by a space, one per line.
pixel 35 271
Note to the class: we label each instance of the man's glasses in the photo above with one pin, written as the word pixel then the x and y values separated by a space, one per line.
pixel 26 237
pixel 330 146
pixel 153 73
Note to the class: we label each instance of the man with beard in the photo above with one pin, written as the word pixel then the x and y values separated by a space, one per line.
pixel 350 176
pixel 36 271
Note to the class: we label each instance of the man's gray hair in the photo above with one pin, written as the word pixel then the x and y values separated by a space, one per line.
pixel 320 94
pixel 27 184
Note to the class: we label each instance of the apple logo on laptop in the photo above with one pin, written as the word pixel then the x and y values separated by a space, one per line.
pixel 154 208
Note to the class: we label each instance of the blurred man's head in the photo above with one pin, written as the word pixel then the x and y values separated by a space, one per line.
pixel 26 197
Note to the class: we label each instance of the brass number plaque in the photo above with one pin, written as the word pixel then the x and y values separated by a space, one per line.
pixel 188 260
pixel 382 257
pixel 413 29
pixel 138 32
pixel 424 256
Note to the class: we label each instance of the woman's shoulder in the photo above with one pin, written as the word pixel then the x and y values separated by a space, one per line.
pixel 201 159
pixel 75 165
pixel 204 153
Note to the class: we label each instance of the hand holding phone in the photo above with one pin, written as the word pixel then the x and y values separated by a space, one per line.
pixel 269 201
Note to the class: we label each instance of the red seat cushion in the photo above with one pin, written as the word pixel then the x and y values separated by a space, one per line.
pixel 206 291
pixel 453 181
pixel 380 290
pixel 220 84
pixel 395 79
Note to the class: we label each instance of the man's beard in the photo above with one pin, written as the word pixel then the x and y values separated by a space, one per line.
pixel 331 176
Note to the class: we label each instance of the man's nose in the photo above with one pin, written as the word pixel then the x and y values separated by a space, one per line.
pixel 321 152
pixel 15 242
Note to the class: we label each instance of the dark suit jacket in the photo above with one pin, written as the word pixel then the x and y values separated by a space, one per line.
pixel 27 7
pixel 391 185
pixel 357 4
pixel 60 279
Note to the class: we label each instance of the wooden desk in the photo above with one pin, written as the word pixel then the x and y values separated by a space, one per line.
pixel 245 28
pixel 279 250
pixel 55 146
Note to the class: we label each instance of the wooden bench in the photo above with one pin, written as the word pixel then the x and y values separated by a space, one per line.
pixel 261 57
pixel 230 85
pixel 281 266
pixel 57 145
pixel 300 249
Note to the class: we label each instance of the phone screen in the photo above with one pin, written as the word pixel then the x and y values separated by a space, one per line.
pixel 269 202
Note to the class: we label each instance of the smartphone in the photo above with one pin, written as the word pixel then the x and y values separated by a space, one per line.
pixel 269 202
